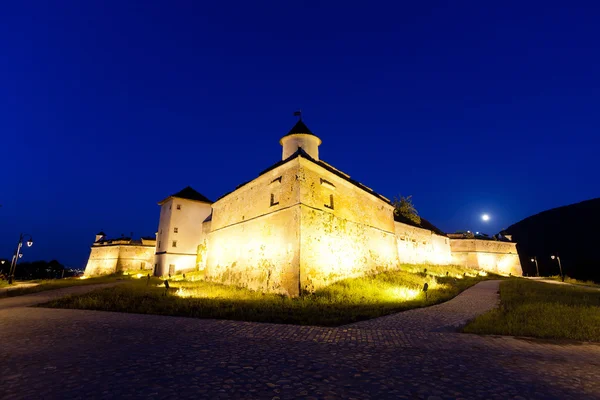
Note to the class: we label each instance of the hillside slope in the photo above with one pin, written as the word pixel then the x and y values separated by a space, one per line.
pixel 572 231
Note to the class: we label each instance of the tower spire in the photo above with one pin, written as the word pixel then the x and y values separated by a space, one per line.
pixel 298 114
pixel 300 137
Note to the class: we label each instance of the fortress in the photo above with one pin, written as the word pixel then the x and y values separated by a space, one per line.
pixel 300 225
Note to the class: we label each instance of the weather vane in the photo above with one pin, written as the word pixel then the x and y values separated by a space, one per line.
pixel 298 114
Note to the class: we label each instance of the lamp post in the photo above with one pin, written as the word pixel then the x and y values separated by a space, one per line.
pixel 537 268
pixel 562 277
pixel 17 255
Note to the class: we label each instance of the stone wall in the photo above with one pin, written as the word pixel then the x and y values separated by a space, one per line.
pixel 489 255
pixel 260 254
pixel 302 227
pixel 345 232
pixel 111 258
pixel 421 246
pixel 254 234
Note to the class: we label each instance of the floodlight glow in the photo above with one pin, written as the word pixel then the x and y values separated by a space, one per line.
pixel 485 217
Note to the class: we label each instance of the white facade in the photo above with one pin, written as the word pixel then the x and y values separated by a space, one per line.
pixel 307 142
pixel 179 233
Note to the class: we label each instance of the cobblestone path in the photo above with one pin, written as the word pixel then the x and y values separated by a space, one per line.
pixel 446 316
pixel 51 354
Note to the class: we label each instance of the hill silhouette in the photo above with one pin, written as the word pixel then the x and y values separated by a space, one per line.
pixel 569 231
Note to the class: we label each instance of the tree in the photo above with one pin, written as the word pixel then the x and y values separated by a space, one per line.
pixel 404 207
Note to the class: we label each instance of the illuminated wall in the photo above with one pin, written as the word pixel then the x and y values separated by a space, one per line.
pixel 254 234
pixel 179 233
pixel 421 246
pixel 344 230
pixel 489 255
pixel 111 258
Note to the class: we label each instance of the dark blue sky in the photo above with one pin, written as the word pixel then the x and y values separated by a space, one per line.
pixel 108 107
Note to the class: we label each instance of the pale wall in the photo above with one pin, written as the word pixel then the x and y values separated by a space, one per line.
pixel 354 238
pixel 260 254
pixel 253 243
pixel 188 221
pixel 254 198
pixel 421 246
pixel 108 259
pixel 489 255
pixel 308 143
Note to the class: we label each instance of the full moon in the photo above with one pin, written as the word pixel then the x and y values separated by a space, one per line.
pixel 485 217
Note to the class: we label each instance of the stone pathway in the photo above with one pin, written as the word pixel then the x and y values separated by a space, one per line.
pixel 55 354
pixel 448 316
pixel 551 281
pixel 5 290
pixel 47 295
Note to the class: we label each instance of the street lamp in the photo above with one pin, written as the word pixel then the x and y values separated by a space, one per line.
pixel 562 277
pixel 537 268
pixel 17 255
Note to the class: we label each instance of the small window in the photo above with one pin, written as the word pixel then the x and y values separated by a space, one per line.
pixel 179 206
pixel 327 184
pixel 170 206
pixel 273 202
pixel 330 205
pixel 159 244
pixel 175 230
pixel 161 231
pixel 174 243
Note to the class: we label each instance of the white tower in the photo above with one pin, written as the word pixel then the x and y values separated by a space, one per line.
pixel 300 137
pixel 99 236
pixel 180 231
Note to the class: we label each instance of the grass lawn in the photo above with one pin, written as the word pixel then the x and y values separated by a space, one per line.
pixel 542 310
pixel 56 284
pixel 344 302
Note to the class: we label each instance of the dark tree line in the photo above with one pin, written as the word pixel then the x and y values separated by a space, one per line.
pixel 36 270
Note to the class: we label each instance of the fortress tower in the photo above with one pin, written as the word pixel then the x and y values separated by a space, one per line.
pixel 300 137
pixel 180 231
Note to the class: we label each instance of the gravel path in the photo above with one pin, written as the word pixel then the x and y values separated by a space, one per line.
pixel 52 354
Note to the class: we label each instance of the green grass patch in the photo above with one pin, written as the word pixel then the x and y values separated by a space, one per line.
pixel 344 302
pixel 542 310
pixel 51 284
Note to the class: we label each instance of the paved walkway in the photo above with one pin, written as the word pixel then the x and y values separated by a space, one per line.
pixel 448 316
pixel 5 290
pixel 50 353
pixel 552 281
pixel 48 295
